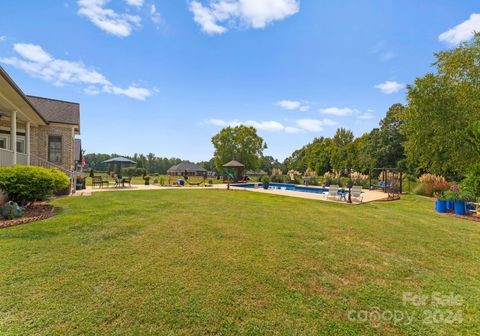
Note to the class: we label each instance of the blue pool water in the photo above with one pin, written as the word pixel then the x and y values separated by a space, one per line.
pixel 285 186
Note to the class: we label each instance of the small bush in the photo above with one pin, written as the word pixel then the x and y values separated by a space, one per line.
pixel 472 181
pixel 429 189
pixel 26 184
pixel 433 179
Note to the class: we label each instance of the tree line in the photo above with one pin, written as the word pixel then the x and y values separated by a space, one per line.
pixel 426 135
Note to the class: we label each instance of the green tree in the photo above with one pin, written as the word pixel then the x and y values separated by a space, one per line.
pixel 440 106
pixel 343 151
pixel 241 143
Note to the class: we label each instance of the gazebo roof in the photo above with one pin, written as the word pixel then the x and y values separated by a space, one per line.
pixel 233 164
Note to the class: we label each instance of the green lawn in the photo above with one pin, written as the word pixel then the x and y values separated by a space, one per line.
pixel 193 262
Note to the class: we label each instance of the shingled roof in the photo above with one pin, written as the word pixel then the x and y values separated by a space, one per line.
pixel 58 111
pixel 186 166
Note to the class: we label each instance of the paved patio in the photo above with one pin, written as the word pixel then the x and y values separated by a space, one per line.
pixel 368 195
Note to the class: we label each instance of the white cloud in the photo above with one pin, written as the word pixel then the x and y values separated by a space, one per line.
pixel 301 125
pixel 107 19
pixel 38 63
pixel 315 125
pixel 337 111
pixel 311 125
pixel 3 38
pixel 219 15
pixel 289 104
pixel 156 17
pixel 293 105
pixel 390 87
pixel 272 126
pixel 293 130
pixel 135 3
pixel 461 32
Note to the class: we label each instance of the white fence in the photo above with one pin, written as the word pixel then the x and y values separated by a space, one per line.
pixel 22 159
pixel 6 157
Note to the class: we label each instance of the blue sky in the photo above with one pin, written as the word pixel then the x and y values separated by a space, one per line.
pixel 164 76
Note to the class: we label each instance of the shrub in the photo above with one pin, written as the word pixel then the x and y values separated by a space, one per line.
pixel 26 184
pixel 429 189
pixel 265 179
pixel 360 179
pixel 472 181
pixel 430 178
pixel 60 180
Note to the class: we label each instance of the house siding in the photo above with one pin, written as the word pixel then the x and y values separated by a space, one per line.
pixel 39 141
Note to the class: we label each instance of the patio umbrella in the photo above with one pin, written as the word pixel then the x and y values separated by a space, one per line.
pixel 120 161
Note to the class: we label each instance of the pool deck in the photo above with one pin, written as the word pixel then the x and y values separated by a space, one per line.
pixel 368 195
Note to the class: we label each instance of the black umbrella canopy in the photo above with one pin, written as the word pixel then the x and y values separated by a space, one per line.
pixel 120 161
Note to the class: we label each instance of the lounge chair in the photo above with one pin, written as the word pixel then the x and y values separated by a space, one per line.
pixel 333 192
pixel 99 181
pixel 357 193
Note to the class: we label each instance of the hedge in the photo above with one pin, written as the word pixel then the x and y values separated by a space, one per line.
pixel 26 184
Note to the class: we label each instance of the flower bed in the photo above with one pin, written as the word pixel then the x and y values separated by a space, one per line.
pixel 37 211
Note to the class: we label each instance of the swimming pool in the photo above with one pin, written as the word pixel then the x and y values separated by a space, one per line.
pixel 289 187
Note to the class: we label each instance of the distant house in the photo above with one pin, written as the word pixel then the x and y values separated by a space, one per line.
pixel 186 168
pixel 37 131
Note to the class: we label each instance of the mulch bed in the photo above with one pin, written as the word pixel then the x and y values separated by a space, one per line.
pixel 468 217
pixel 35 212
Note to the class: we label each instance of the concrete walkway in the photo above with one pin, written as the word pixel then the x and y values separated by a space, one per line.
pixel 368 195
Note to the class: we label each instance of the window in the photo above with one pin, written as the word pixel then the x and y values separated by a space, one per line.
pixel 3 142
pixel 55 149
pixel 20 146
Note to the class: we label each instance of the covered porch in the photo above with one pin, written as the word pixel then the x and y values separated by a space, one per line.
pixel 17 117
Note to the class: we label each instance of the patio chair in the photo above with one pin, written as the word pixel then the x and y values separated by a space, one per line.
pixel 333 192
pixel 99 181
pixel 473 208
pixel 357 193
pixel 118 182
pixel 127 180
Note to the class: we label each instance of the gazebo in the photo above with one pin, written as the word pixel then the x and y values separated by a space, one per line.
pixel 233 176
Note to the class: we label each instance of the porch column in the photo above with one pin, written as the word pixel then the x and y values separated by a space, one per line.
pixel 27 141
pixel 13 136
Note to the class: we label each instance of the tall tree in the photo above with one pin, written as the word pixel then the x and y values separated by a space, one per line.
pixel 343 151
pixel 241 143
pixel 385 145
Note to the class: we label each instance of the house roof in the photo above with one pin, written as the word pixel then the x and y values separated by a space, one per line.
pixel 78 150
pixel 233 164
pixel 57 111
pixel 25 102
pixel 186 166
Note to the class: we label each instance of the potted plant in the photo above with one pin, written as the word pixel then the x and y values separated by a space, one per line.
pixel 441 204
pixel 266 182
pixel 459 198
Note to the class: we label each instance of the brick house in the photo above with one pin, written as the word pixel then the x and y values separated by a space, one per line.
pixel 38 131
